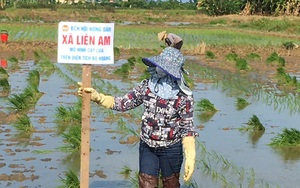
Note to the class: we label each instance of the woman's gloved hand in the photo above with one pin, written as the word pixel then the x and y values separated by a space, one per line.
pixel 101 99
pixel 190 156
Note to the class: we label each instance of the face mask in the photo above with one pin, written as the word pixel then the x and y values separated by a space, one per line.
pixel 160 73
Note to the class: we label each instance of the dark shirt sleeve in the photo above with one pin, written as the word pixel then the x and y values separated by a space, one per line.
pixel 132 99
pixel 187 117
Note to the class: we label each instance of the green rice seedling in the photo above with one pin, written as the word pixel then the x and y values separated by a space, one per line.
pixel 145 75
pixel 256 124
pixel 3 73
pixel 189 81
pixel 34 77
pixel 70 181
pixel 126 172
pixel 19 102
pixel 241 103
pixel 46 67
pixel 4 87
pixel 23 124
pixel 66 116
pixel 232 57
pixel 37 56
pixel 72 138
pixel 125 69
pixel 209 54
pixel 116 52
pixel 218 22
pixel 206 106
pixel 241 64
pixel 285 78
pixel 32 94
pixel 23 55
pixel 253 56
pixel 14 63
pixel 275 58
pixel 95 19
pixel 288 137
pixel 42 151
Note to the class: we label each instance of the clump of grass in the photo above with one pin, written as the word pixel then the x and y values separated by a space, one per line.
pixel 285 78
pixel 37 56
pixel 125 69
pixel 218 22
pixel 23 124
pixel 72 139
pixel 241 103
pixel 253 56
pixel 232 57
pixel 4 84
pixel 241 64
pixel 145 75
pixel 288 137
pixel 14 62
pixel 133 177
pixel 3 73
pixel 116 52
pixel 205 105
pixel 189 81
pixel 126 172
pixel 19 102
pixel 255 123
pixel 210 54
pixel 34 77
pixel 70 181
pixel 66 116
pixel 275 58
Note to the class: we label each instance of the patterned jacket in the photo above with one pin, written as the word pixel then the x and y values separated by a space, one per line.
pixel 164 121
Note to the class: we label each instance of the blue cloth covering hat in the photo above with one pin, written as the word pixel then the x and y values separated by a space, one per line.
pixel 170 60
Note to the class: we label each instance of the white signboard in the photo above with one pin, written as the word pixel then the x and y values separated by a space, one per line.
pixel 85 43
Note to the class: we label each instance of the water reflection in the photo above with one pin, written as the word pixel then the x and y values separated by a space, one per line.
pixel 255 136
pixel 289 153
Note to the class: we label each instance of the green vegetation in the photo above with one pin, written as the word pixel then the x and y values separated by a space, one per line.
pixel 274 58
pixel 210 54
pixel 68 116
pixel 288 137
pixel 241 64
pixel 70 181
pixel 206 106
pixel 72 139
pixel 241 103
pixel 23 124
pixel 232 57
pixel 253 124
pixel 126 68
pixel 285 79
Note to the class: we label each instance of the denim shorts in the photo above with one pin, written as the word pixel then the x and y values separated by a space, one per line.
pixel 167 160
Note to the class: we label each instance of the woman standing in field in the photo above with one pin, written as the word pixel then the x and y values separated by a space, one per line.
pixel 170 39
pixel 167 129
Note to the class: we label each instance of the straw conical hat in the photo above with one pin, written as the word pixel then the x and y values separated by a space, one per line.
pixel 161 35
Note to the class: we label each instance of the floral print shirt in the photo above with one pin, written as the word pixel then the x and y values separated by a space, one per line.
pixel 164 121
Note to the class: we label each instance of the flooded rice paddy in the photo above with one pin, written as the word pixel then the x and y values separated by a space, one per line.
pixel 226 156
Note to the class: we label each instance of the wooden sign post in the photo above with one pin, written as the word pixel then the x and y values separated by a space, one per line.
pixel 86 44
pixel 85 128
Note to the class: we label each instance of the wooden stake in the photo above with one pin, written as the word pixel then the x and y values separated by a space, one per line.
pixel 85 128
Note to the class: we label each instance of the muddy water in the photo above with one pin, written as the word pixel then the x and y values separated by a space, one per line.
pixel 234 158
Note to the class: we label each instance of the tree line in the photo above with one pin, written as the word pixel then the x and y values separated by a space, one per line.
pixel 209 7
